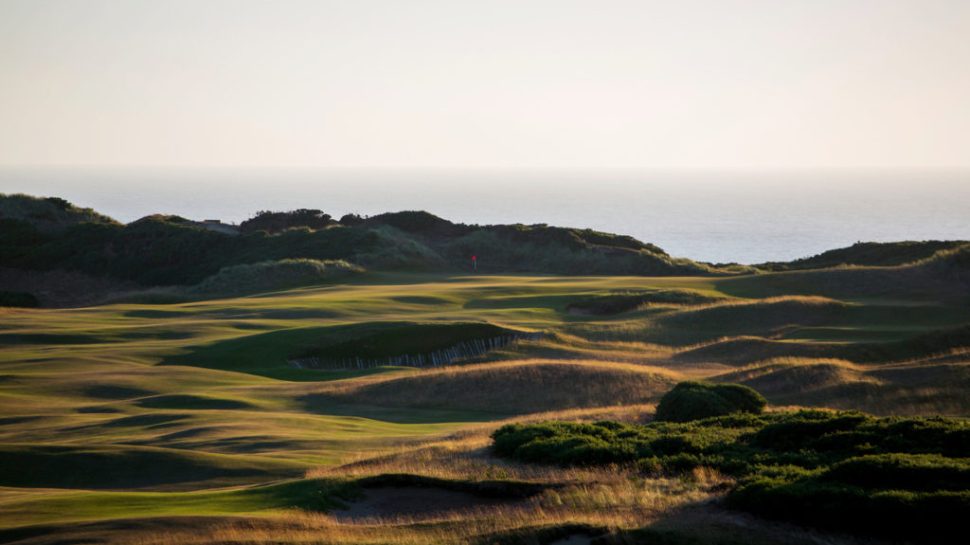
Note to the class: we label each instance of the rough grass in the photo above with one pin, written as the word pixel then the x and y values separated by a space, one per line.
pixel 745 349
pixel 765 317
pixel 945 276
pixel 901 389
pixel 275 275
pixel 883 254
pixel 509 387
pixel 616 303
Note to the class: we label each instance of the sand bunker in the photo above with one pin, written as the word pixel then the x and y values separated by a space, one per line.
pixel 415 501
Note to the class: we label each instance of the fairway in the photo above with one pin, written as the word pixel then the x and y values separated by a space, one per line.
pixel 196 408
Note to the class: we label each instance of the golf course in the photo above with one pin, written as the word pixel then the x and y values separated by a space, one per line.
pixel 365 404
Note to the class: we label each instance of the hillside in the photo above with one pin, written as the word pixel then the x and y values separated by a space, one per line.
pixel 873 254
pixel 514 387
pixel 42 237
pixel 165 250
pixel 46 214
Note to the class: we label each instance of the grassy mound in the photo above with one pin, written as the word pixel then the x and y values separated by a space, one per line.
pixel 917 388
pixel 128 467
pixel 941 277
pixel 160 250
pixel 696 400
pixel 747 349
pixel 390 339
pixel 535 248
pixel 616 303
pixel 951 265
pixel 836 470
pixel 510 387
pixel 880 254
pixel 47 214
pixel 123 511
pixel 277 353
pixel 749 317
pixel 924 345
pixel 275 275
pixel 797 378
pixel 191 402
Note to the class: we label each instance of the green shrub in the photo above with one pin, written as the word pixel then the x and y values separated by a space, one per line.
pixel 275 222
pixel 163 250
pixel 273 275
pixel 47 214
pixel 901 514
pixel 842 471
pixel 897 471
pixel 696 400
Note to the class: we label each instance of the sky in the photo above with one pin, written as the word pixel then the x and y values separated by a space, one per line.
pixel 701 84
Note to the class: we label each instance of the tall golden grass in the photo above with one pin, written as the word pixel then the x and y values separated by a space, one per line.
pixel 511 386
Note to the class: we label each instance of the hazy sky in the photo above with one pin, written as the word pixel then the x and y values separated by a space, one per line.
pixel 557 83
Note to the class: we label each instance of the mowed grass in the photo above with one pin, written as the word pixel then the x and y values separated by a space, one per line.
pixel 202 393
pixel 49 506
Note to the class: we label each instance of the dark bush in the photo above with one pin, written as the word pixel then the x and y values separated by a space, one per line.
pixel 924 472
pixel 18 299
pixel 349 220
pixel 841 471
pixel 921 517
pixel 274 275
pixel 696 400
pixel 419 222
pixel 274 222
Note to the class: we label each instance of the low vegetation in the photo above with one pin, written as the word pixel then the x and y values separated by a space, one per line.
pixel 275 275
pixel 274 222
pixel 697 400
pixel 837 470
pixel 170 250
pixel 46 214
pixel 880 254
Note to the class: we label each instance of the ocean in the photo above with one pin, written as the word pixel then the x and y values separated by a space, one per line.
pixel 744 217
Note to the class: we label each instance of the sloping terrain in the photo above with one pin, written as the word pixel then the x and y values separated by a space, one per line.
pixel 170 250
pixel 190 420
pixel 869 254
pixel 510 387
pixel 944 276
